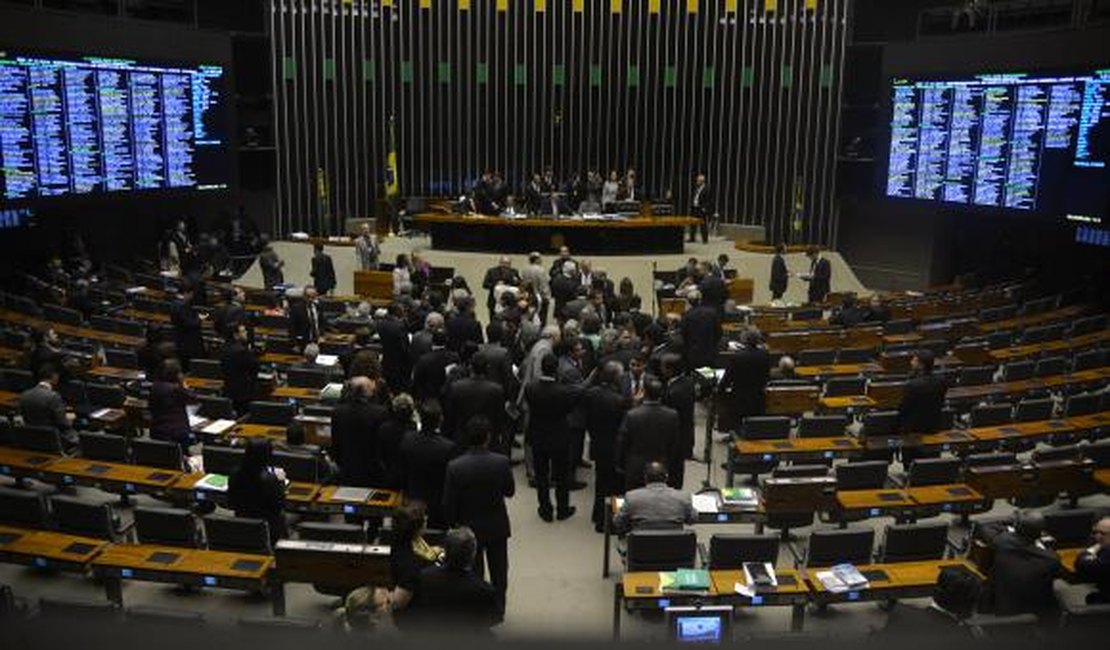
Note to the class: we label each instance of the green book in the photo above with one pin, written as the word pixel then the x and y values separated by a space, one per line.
pixel 739 495
pixel 691 580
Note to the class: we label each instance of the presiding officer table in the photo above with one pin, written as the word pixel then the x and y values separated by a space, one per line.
pixel 609 235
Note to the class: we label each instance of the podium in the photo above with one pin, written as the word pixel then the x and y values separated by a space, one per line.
pixel 374 285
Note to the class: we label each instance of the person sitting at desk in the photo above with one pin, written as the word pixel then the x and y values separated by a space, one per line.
pixel 849 314
pixel 954 598
pixel 41 405
pixel 295 443
pixel 169 420
pixel 255 491
pixel 1093 564
pixel 876 311
pixel 1023 569
pixel 654 506
pixel 453 597
pixel 409 555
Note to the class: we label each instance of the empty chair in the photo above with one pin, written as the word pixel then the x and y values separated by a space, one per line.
pixel 863 475
pixel 1049 454
pixel 307 378
pixel 816 357
pixel 914 542
pixel 855 355
pixel 63 315
pixel 206 369
pixel 800 471
pixel 22 507
pixel 660 550
pixel 121 358
pixel 131 328
pixel 845 386
pixel 992 459
pixel 934 471
pixel 1030 410
pixel 998 313
pixel 298 467
pixel 168 526
pixel 732 551
pixel 765 427
pixel 1039 306
pixel 85 517
pixel 215 408
pixel 35 438
pixel 947 419
pixel 1048 366
pixel 900 326
pixel 16 380
pixel 237 534
pixel 103 446
pixel 976 376
pixel 1089 360
pixel 221 460
pixel 75 395
pixel 277 414
pixel 319 531
pixel 105 395
pixel 991 415
pixel 157 453
pixel 880 423
pixel 1018 370
pixel 69 609
pixel 1088 325
pixel 830 547
pixel 1083 404
pixel 1070 528
pixel 811 313
pixel 822 426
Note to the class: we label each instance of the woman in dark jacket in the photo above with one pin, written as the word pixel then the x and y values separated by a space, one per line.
pixel 168 398
pixel 254 491
pixel 409 554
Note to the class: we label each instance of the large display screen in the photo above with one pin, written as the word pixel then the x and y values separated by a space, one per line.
pixel 1023 142
pixel 89 125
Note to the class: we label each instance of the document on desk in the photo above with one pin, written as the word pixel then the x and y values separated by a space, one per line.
pixel 327 360
pixel 214 482
pixel 195 421
pixel 218 427
pixel 706 502
pixel 99 413
pixel 351 494
pixel 841 578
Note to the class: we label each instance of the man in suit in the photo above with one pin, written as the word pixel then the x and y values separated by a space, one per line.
pixel 649 433
pixel 701 208
pixel 701 333
pixel 923 397
pixel 535 275
pixel 564 287
pixel 550 404
pixel 421 342
pixel 679 393
pixel 452 598
pixel 503 273
pixel 820 276
pixel 780 277
pixel 41 405
pixel 270 264
pixel 559 263
pixel 323 271
pixel 604 407
pixel 714 291
pixel 654 506
pixel 633 382
pixel 227 318
pixel 186 322
pixel 394 337
pixel 425 455
pixel 305 325
pixel 746 376
pixel 429 373
pixel 476 395
pixel 876 311
pixel 497 359
pixel 474 492
pixel 849 314
pixel 355 423
pixel 955 596
pixel 463 326
pixel 1093 564
pixel 239 366
pixel 1023 570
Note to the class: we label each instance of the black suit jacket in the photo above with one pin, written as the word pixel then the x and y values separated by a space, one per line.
pixel 323 272
pixel 187 330
pixel 396 365
pixel 424 458
pixel 746 376
pixel 713 292
pixel 420 344
pixel 429 374
pixel 701 336
pixel 493 276
pixel 680 395
pixel 300 325
pixel 240 369
pixel 922 402
pixel 1021 577
pixel 355 447
pixel 469 397
pixel 704 208
pixel 462 328
pixel 819 284
pixel 779 275
pixel 649 433
pixel 168 418
pixel 474 492
pixel 550 405
pixel 604 408
pixel 499 366
pixel 454 602
pixel 1095 568
pixel 563 290
pixel 227 318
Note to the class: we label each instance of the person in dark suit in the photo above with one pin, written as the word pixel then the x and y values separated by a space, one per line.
pixel 746 376
pixel 186 323
pixel 239 365
pixel 463 325
pixel 550 404
pixel 421 342
pixel 394 337
pixel 497 358
pixel 1022 570
pixel 701 208
pixel 954 598
pixel 409 555
pixel 503 273
pixel 474 492
pixel 169 420
pixel 476 395
pixel 1093 564
pixel 780 277
pixel 42 406
pixel 429 373
pixel 270 264
pixel 604 407
pixel 679 393
pixel 876 311
pixel 46 350
pixel 648 433
pixel 820 276
pixel 323 271
pixel 452 598
pixel 424 457
pixel 923 397
pixel 355 424
pixel 633 382
pixel 701 333
pixel 305 320
pixel 564 287
pixel 254 491
pixel 712 287
pixel 227 318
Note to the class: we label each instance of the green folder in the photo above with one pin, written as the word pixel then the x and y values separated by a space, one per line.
pixel 691 580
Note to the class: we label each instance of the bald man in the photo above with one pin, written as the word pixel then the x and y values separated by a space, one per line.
pixel 503 273
pixel 1023 569
pixel 354 434
pixel 654 506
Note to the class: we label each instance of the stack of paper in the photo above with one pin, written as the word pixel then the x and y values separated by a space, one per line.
pixel 99 413
pixel 331 392
pixel 706 502
pixel 841 578
pixel 327 360
pixel 195 421
pixel 352 494
pixel 218 427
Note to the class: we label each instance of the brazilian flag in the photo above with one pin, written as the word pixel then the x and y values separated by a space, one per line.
pixel 392 179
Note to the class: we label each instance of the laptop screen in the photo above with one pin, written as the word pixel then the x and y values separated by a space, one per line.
pixel 699 628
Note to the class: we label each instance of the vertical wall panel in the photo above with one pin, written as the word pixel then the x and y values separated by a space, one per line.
pixel 751 98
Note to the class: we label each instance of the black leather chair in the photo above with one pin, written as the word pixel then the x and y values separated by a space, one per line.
pixel 35 438
pixel 934 471
pixel 1070 528
pixel 298 467
pixel 914 542
pixel 215 408
pixel 167 526
pixel 105 395
pixel 816 357
pixel 221 460
pixel 23 507
pixel 278 414
pixel 103 446
pixel 1018 370
pixel 206 369
pixel 660 550
pixel 319 531
pixel 77 516
pixel 1031 410
pixel 1048 366
pixel 863 475
pixel 855 355
pixel 732 551
pixel 157 453
pixel 121 358
pixel 976 376
pixel 991 415
pixel 991 459
pixel 822 426
pixel 1082 404
pixel 237 534
pixel 845 386
pixel 307 378
pixel 830 547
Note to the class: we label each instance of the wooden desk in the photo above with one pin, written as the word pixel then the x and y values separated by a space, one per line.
pixel 342 567
pixel 1067 560
pixel 10 357
pixel 147 316
pixel 182 566
pixel 792 400
pixel 120 374
pixel 248 430
pixel 956 440
pixel 1049 478
pixel 889 581
pixel 203 384
pixel 298 496
pixel 380 502
pixel 111 477
pixel 956 498
pixel 847 402
pixel 1063 313
pixel 796 449
pixel 280 358
pixel 977 393
pixel 1005 355
pixel 837 370
pixel 9 401
pixel 298 394
pixel 1102 477
pixel 45 549
pixel 854 504
pixel 1001 435
pixel 71 331
pixel 19 463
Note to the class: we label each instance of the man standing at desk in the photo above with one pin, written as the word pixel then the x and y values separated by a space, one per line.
pixel 701 333
pixel 323 270
pixel 186 322
pixel 304 319
pixel 923 398
pixel 701 207
pixel 746 376
pixel 648 434
pixel 819 277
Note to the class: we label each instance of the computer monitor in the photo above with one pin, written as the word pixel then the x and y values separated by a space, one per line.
pixel 699 624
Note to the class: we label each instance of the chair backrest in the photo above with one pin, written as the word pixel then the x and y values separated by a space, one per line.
pixel 880 423
pixel 131 328
pixel 105 395
pixel 863 475
pixel 808 313
pixel 976 376
pixel 845 386
pixel 990 415
pixel 319 531
pixel 993 459
pixel 1070 528
pixel 1089 360
pixel 161 617
pixel 732 551
pixel 661 550
pixel 1099 452
pixel 237 534
pixel 103 446
pixel 1018 370
pixel 823 357
pixel 170 526
pixel 998 313
pixel 60 314
pixel 1088 325
pixel 822 426
pixel 830 547
pixel 214 407
pixel 934 471
pixel 1082 404
pixel 900 326
pixel 37 438
pixel 1030 410
pixel 765 427
pixel 1048 454
pixel 297 466
pixel 23 507
pixel 914 542
pixel 206 369
pixel 121 358
pixel 855 355
pixel 1049 366
pixel 157 453
pixel 221 460
pixel 307 378
pixel 799 471
pixel 16 380
pixel 273 413
pixel 83 517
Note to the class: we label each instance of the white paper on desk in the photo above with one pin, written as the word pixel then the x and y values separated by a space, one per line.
pixel 196 421
pixel 327 360
pixel 99 413
pixel 744 590
pixel 706 503
pixel 218 427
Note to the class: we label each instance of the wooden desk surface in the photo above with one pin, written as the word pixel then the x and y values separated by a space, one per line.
pixel 9 400
pixel 148 316
pixel 868 499
pixel 899 575
pixel 797 445
pixel 847 402
pixel 1036 429
pixel 11 357
pixel 72 331
pixel 37 547
pixel 1067 559
pixel 112 372
pixel 14 461
pixel 1102 477
pixel 95 472
pixel 200 383
pixel 379 498
pixel 290 392
pixel 910 337
pixel 1063 313
pixel 725 581
pixel 247 430
pixel 944 494
pixel 1013 387
pixel 1092 421
pixel 156 559
pixel 1062 345
pixel 528 222
pixel 837 369
pixel 281 358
